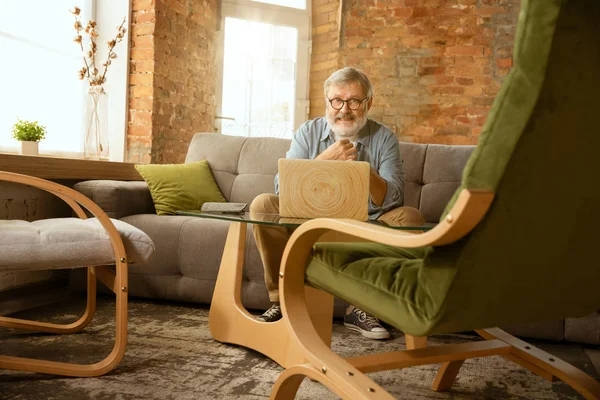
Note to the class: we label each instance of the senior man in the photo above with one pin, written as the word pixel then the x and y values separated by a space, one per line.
pixel 345 133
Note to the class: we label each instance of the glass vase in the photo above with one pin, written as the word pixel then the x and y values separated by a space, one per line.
pixel 97 128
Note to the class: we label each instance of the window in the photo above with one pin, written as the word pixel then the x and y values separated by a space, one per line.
pixel 38 75
pixel 259 78
pixel 264 73
pixel 301 4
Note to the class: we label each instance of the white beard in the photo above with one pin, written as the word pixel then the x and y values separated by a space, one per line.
pixel 350 132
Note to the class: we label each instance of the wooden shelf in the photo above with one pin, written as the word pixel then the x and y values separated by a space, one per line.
pixel 67 168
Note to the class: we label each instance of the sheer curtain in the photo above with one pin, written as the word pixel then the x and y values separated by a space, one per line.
pixel 259 79
pixel 38 73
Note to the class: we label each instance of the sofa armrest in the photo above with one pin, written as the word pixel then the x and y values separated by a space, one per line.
pixel 118 198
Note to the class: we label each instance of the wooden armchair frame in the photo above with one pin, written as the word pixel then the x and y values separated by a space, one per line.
pixel 346 377
pixel 116 281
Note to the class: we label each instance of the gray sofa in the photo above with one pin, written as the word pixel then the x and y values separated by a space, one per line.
pixel 188 249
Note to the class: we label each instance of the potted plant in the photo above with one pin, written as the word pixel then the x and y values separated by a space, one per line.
pixel 29 134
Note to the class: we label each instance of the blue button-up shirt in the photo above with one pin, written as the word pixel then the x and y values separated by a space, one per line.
pixel 376 144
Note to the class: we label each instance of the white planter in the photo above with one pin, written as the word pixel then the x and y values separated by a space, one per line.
pixel 29 148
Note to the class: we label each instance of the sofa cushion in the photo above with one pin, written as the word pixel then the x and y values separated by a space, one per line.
pixel 222 153
pixel 180 186
pixel 66 243
pixel 583 330
pixel 442 173
pixel 118 198
pixel 257 167
pixel 243 167
pixel 413 157
pixel 432 174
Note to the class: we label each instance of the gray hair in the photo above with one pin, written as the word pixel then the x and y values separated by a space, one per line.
pixel 349 75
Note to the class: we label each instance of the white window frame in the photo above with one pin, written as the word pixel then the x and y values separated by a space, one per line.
pixel 275 15
pixel 108 14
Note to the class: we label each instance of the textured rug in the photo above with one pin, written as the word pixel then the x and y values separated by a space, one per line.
pixel 171 355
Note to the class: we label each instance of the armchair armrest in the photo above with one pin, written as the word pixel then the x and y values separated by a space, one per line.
pixel 118 198
pixel 469 209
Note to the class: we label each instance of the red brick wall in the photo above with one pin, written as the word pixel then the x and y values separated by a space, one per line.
pixel 325 50
pixel 173 78
pixel 436 64
pixel 141 78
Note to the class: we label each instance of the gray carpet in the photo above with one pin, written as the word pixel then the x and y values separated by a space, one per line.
pixel 170 355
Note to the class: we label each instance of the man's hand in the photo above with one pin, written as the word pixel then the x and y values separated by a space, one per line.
pixel 341 150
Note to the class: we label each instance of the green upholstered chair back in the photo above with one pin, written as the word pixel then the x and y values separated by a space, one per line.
pixel 533 257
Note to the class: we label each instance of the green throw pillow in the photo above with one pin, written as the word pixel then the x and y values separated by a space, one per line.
pixel 176 187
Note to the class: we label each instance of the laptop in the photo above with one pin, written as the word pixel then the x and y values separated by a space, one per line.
pixel 323 189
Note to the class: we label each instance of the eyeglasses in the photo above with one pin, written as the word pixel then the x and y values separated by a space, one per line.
pixel 338 104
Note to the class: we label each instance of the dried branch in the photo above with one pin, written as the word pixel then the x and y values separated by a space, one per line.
pixel 111 45
pixel 89 70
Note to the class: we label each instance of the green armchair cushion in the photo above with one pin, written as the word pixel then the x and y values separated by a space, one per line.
pixel 180 186
pixel 387 281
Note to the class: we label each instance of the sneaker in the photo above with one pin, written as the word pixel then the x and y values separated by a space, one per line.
pixel 366 324
pixel 272 314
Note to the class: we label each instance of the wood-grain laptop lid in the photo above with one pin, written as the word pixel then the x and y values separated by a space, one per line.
pixel 328 189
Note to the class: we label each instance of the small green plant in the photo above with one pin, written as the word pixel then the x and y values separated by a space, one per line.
pixel 27 131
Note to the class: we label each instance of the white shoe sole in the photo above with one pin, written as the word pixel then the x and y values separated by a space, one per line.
pixel 371 335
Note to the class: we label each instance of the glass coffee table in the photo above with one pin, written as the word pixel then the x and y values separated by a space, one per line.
pixel 230 322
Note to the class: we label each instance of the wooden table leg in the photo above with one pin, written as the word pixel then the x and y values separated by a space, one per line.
pixel 230 322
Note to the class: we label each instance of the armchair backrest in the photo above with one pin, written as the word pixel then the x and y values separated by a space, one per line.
pixel 532 256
